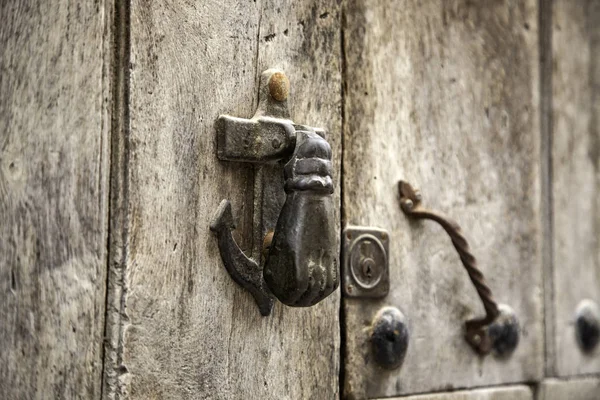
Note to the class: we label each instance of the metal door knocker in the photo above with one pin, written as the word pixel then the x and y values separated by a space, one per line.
pixel 499 329
pixel 300 264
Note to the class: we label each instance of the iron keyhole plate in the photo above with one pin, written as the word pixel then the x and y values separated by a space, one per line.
pixel 365 253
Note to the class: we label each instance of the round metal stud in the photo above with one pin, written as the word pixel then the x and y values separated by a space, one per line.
pixel 389 338
pixel 279 86
pixel 587 325
pixel 504 332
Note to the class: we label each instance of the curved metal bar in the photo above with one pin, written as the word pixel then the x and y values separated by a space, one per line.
pixel 476 329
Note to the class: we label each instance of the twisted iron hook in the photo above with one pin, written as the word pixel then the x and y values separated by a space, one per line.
pixel 476 329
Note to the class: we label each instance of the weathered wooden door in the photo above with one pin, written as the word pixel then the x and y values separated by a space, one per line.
pixel 490 109
pixel 112 283
pixel 458 116
pixel 113 286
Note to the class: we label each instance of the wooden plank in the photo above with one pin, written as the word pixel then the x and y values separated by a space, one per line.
pixel 501 393
pixel 445 96
pixel 182 328
pixel 53 197
pixel 576 389
pixel 575 275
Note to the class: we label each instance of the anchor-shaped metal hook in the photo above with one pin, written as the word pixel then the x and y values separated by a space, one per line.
pixel 301 266
pixel 244 270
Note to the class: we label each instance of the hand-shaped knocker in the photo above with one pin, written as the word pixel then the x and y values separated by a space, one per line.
pixel 301 265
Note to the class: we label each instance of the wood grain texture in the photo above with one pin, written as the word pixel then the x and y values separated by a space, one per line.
pixel 575 389
pixel 53 197
pixel 181 328
pixel 575 179
pixel 503 393
pixel 445 96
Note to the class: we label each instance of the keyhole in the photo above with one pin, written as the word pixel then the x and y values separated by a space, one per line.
pixel 368 265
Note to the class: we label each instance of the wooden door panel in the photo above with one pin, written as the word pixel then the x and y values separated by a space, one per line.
pixel 504 393
pixel 54 169
pixel 445 96
pixel 181 327
pixel 574 274
pixel 576 389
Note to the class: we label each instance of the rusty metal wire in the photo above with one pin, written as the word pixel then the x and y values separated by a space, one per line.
pixel 476 332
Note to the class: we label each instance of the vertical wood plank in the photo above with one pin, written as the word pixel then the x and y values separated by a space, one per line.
pixel 575 179
pixel 445 95
pixel 545 21
pixel 53 197
pixel 181 327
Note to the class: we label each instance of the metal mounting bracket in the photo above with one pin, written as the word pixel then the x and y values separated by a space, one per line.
pixel 269 135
